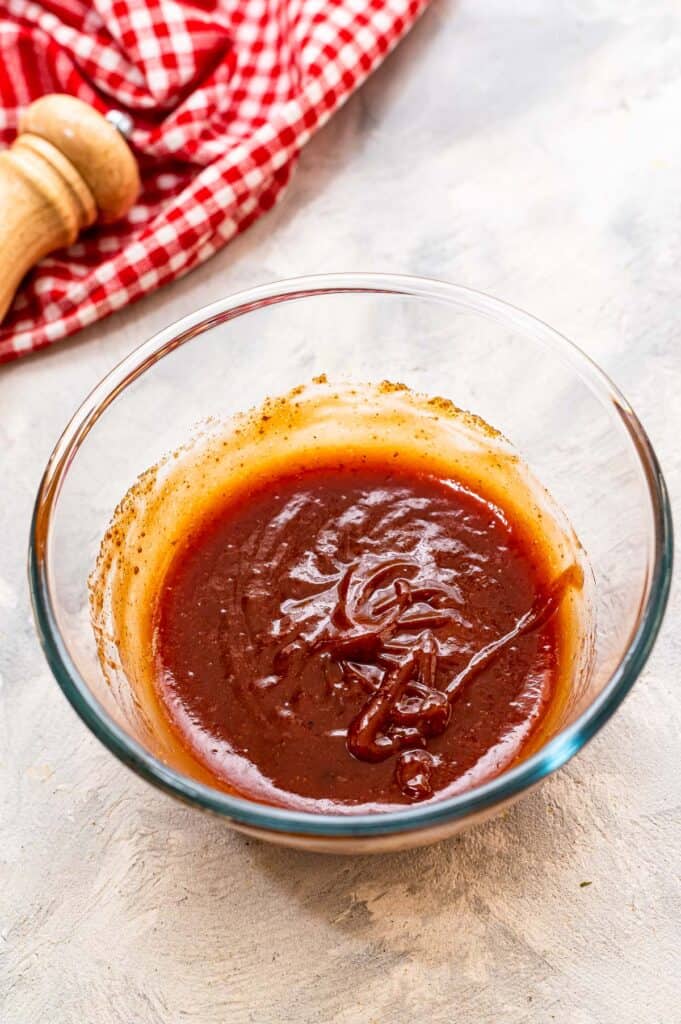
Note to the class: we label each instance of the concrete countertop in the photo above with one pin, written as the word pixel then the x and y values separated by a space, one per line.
pixel 531 150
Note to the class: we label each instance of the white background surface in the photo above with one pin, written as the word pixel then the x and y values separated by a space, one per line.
pixel 532 150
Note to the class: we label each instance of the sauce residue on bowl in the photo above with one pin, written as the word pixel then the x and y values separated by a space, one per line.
pixel 355 599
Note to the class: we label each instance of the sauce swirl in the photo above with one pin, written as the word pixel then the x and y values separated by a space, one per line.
pixel 359 635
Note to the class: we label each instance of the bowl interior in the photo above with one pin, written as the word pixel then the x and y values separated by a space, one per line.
pixel 571 427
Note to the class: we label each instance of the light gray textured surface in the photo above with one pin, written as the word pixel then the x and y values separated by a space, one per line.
pixel 532 150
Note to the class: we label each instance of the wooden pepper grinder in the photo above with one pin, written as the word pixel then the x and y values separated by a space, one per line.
pixel 68 167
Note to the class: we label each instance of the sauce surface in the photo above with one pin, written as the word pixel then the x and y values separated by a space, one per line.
pixel 356 637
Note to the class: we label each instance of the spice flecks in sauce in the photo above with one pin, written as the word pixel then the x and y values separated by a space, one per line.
pixel 321 603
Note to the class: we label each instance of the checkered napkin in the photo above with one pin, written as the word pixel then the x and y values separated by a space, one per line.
pixel 223 94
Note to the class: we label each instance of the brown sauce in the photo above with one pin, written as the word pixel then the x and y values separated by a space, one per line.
pixel 355 636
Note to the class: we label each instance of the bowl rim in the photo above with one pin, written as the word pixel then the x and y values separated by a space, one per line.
pixel 242 811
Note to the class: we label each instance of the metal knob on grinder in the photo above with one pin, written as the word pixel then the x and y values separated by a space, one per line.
pixel 68 167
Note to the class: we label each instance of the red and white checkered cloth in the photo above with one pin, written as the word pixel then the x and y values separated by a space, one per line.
pixel 223 95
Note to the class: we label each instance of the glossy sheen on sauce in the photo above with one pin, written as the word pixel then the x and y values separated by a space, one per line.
pixel 356 636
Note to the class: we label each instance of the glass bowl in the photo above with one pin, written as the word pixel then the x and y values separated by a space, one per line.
pixel 570 424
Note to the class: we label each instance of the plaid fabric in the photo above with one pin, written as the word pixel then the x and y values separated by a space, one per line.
pixel 223 95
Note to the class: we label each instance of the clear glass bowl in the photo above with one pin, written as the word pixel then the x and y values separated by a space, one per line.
pixel 571 425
